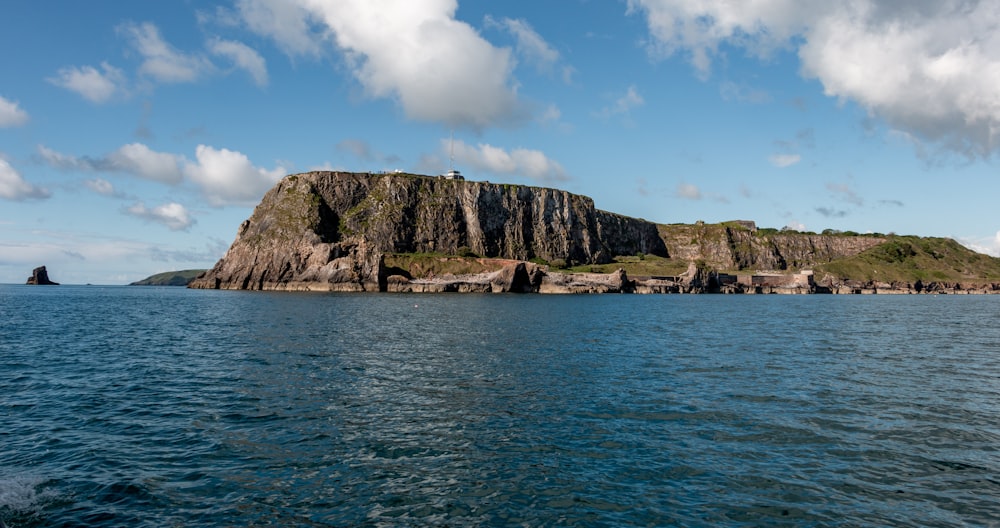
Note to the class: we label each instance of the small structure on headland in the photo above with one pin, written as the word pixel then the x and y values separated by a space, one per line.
pixel 40 276
pixel 452 174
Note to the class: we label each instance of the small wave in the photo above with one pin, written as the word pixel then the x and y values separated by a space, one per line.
pixel 22 497
pixel 19 494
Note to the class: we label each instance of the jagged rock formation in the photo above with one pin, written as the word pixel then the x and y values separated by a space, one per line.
pixel 331 230
pixel 40 276
pixel 735 247
pixel 511 276
pixel 851 286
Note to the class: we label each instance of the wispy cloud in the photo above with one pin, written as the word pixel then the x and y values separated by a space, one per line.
pixel 11 114
pixel 830 212
pixel 14 188
pixel 161 61
pixel 844 193
pixel 731 91
pixel 784 160
pixel 103 187
pixel 529 163
pixel 623 104
pixel 688 191
pixel 358 148
pixel 96 86
pixel 135 158
pixel 243 57
pixel 532 48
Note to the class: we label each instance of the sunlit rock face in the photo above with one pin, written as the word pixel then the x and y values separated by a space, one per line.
pixel 331 230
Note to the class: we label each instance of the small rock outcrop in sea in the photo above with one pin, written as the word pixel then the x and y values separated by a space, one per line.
pixel 331 231
pixel 40 276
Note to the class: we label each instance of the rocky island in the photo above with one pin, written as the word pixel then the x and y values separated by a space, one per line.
pixel 342 231
pixel 40 276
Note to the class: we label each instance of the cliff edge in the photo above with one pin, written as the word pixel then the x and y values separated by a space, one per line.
pixel 332 230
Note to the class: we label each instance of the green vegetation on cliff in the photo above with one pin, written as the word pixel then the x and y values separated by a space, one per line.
pixel 731 247
pixel 911 258
pixel 638 266
pixel 169 278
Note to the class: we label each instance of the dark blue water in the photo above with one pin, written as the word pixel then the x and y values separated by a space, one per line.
pixel 128 406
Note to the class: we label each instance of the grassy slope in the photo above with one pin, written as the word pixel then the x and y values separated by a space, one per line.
pixel 634 266
pixel 169 278
pixel 910 258
pixel 436 264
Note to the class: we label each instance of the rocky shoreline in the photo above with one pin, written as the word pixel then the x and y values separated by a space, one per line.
pixel 513 276
pixel 548 282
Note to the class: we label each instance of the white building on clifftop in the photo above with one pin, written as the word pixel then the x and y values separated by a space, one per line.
pixel 452 174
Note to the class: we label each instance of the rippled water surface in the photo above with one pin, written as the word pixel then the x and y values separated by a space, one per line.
pixel 128 406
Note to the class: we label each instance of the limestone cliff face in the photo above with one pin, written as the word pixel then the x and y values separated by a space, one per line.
pixel 735 248
pixel 330 230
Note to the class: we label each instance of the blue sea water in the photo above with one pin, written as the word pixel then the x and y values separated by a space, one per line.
pixel 132 406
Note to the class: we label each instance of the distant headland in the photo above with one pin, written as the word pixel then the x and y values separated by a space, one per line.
pixel 343 231
pixel 169 278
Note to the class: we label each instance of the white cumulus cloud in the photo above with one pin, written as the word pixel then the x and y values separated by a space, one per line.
pixel 13 187
pixel 227 177
pixel 96 86
pixel 415 52
pixel 135 158
pixel 172 215
pixel 139 160
pixel 11 114
pixel 520 161
pixel 928 68
pixel 243 57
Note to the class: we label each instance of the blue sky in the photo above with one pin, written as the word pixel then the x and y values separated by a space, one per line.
pixel 135 137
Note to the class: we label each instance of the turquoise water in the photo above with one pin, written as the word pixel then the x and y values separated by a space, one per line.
pixel 130 406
